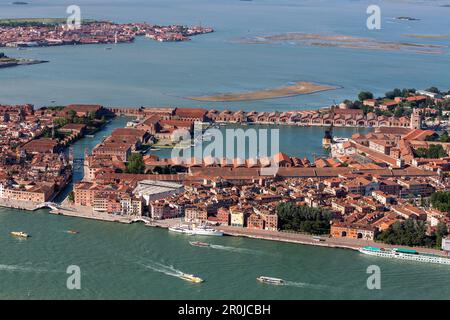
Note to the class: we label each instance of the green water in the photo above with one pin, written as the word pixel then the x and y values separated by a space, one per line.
pixel 138 262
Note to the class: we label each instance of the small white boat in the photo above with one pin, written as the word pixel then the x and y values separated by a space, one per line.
pixel 191 278
pixel 194 230
pixel 20 234
pixel 270 280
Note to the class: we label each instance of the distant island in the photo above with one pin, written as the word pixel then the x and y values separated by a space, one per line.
pixel 6 61
pixel 341 41
pixel 39 32
pixel 407 18
pixel 295 89
pixel 20 2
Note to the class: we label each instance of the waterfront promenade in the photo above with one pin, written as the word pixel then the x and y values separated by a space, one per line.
pixel 293 237
pixel 67 209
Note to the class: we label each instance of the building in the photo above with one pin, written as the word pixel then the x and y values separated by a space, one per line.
pixel 446 244
pixel 223 216
pixel 41 146
pixel 352 231
pixel 113 148
pixel 416 119
pixel 254 221
pixel 151 190
pixel 237 217
pixel 84 110
pixel 195 214
pixel 163 210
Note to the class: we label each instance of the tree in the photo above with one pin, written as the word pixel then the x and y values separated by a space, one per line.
pixel 92 116
pixel 394 93
pixel 71 196
pixel 441 232
pixel 441 200
pixel 433 152
pixel 303 218
pixel 365 95
pixel 444 137
pixel 71 114
pixel 135 164
pixel 434 90
pixel 408 233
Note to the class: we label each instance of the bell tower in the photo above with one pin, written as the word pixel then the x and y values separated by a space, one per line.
pixel 416 119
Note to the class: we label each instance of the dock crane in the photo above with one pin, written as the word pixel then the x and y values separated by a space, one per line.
pixel 328 136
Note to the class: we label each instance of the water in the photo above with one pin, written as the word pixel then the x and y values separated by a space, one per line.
pixel 151 73
pixel 137 262
pixel 293 140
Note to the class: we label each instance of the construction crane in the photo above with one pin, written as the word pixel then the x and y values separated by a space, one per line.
pixel 328 136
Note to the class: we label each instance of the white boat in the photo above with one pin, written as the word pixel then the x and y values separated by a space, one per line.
pixel 191 278
pixel 194 230
pixel 270 280
pixel 20 234
pixel 405 254
pixel 339 140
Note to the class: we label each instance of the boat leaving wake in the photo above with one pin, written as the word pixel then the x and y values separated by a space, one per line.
pixel 304 285
pixel 162 268
pixel 235 249
pixel 15 268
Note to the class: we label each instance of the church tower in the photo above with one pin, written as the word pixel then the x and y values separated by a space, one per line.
pixel 416 119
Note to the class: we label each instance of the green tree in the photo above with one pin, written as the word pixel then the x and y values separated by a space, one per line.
pixel 71 114
pixel 408 233
pixel 433 152
pixel 303 218
pixel 365 95
pixel 394 93
pixel 92 116
pixel 135 164
pixel 441 232
pixel 444 137
pixel 71 196
pixel 434 90
pixel 441 200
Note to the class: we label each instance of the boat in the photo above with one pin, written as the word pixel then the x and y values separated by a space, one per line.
pixel 72 232
pixel 340 140
pixel 270 280
pixel 405 254
pixel 20 234
pixel 191 278
pixel 194 230
pixel 199 244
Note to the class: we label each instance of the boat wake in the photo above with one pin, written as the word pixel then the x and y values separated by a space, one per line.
pixel 15 268
pixel 235 249
pixel 162 268
pixel 304 285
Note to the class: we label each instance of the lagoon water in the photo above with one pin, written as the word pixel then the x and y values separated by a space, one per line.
pixel 153 74
pixel 137 262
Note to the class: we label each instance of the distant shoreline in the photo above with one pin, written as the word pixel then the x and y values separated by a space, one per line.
pixel 299 88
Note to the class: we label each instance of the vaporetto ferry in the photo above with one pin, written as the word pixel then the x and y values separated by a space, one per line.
pixel 405 254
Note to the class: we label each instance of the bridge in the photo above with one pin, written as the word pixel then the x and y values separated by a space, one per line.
pixel 140 219
pixel 50 205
